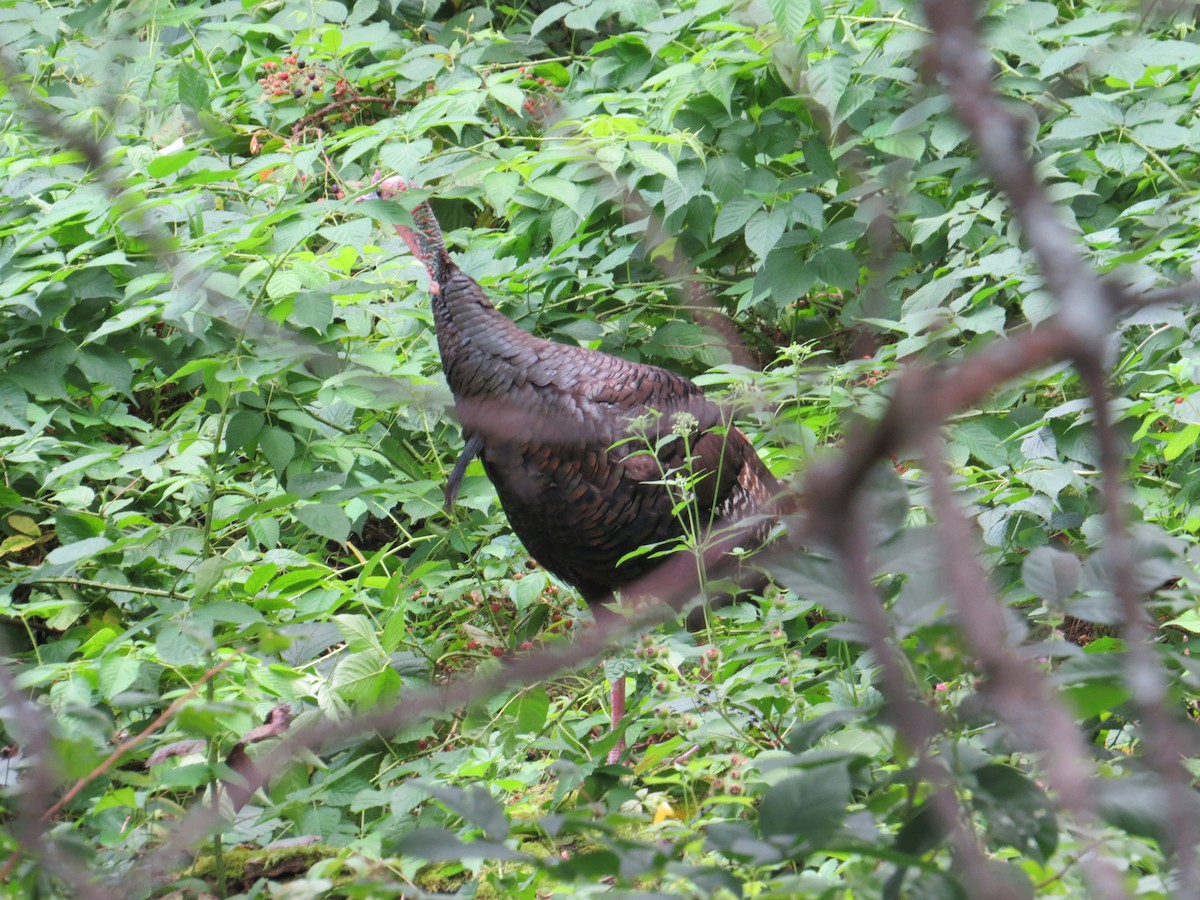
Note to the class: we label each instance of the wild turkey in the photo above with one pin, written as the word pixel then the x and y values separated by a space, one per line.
pixel 583 447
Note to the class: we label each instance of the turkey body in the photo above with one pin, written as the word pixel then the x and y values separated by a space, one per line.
pixel 592 456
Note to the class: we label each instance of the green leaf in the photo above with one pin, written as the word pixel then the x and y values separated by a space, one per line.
pixel 362 677
pixel 532 709
pixel 726 177
pixel 193 89
pixel 907 145
pixel 242 430
pixel 764 230
pixel 279 448
pixel 326 519
pixel 1180 442
pixel 78 551
pixel 352 233
pixel 312 309
pixel 558 189
pixel 125 319
pixel 283 284
pixel 162 166
pixel 104 366
pixel 1162 135
pixel 1017 811
pixel 117 673
pixel 654 161
pixel 508 94
pixel 475 805
pixel 1125 158
pixel 807 808
pixel 790 15
pixel 181 646
pixel 836 267
pixel 358 632
pixel 548 17
pixel 208 573
pixel 734 215
pixel 827 81
pixel 1188 621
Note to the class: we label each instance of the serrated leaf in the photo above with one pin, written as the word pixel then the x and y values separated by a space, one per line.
pixel 1162 135
pixel 475 805
pixel 1017 811
pixel 405 158
pixel 790 15
pixel 105 366
pixel 126 318
pixel 549 17
pixel 806 808
pixel 764 230
pixel 1188 621
pixel 352 233
pixel 827 81
pixel 1125 158
pixel 117 673
pixel 161 166
pixel 1180 442
pixel 207 574
pixel 807 209
pixel 508 94
pixel 532 710
pixel 905 145
pixel 1051 574
pixel 193 89
pixel 80 550
pixel 726 177
pixel 283 284
pixel 242 430
pixel 363 677
pixel 734 215
pixel 326 519
pixel 312 310
pixel 279 448
pixel 787 275
pixel 358 632
pixel 180 646
pixel 836 267
pixel 565 192
pixel 654 161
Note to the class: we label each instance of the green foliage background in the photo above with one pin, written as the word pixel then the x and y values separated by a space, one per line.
pixel 223 434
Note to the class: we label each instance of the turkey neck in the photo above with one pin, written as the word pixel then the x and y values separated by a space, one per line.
pixel 484 354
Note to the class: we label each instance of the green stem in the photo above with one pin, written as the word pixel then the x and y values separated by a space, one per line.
pixel 214 759
pixel 1127 135
pixel 108 586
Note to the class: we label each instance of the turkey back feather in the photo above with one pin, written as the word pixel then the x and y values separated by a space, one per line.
pixel 593 457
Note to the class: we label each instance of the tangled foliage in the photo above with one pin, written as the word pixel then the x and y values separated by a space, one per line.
pixel 224 438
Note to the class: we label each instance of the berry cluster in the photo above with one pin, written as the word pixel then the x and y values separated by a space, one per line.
pixel 710 660
pixel 732 782
pixel 541 107
pixel 291 76
pixel 648 649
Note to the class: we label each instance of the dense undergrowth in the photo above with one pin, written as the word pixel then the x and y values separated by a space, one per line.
pixel 224 436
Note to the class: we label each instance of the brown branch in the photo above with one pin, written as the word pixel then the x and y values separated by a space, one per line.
pixel 30 722
pixel 1016 690
pixel 958 57
pixel 128 746
pixel 389 103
